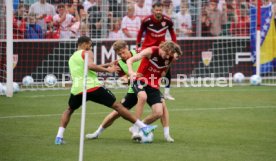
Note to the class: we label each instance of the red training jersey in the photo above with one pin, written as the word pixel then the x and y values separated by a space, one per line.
pixel 155 31
pixel 152 68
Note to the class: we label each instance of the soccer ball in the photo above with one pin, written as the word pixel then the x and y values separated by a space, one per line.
pixel 255 80
pixel 15 87
pixel 27 80
pixel 50 80
pixel 238 77
pixel 146 139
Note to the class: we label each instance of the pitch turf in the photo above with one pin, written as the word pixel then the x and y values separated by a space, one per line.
pixel 208 124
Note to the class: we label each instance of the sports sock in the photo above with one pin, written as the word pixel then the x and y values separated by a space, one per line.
pixel 166 131
pixel 100 130
pixel 140 124
pixel 60 132
pixel 167 91
pixel 135 129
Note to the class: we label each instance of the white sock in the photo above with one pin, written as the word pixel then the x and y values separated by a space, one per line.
pixel 135 129
pixel 100 130
pixel 167 91
pixel 60 132
pixel 140 124
pixel 166 131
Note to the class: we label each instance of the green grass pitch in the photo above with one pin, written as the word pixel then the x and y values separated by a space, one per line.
pixel 208 124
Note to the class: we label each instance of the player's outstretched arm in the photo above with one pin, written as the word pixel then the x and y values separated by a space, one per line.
pixel 109 64
pixel 99 68
pixel 144 53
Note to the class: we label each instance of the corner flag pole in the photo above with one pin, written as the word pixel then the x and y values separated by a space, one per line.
pixel 83 111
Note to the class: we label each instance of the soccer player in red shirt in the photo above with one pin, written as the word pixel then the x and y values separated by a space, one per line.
pixel 155 27
pixel 130 100
pixel 155 62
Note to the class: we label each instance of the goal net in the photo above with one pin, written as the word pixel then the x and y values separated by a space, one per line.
pixel 218 39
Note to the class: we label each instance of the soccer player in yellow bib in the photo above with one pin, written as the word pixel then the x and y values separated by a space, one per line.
pixel 130 100
pixel 95 91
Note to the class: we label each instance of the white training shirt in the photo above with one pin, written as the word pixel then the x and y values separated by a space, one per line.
pixel 141 12
pixel 116 35
pixel 65 32
pixel 184 22
pixel 132 25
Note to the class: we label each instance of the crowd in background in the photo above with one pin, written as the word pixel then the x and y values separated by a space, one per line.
pixel 65 19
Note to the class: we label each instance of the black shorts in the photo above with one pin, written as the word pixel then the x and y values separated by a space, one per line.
pixel 153 94
pixel 101 95
pixel 130 100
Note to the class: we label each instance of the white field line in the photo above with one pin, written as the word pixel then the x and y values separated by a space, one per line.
pixel 170 110
pixel 177 91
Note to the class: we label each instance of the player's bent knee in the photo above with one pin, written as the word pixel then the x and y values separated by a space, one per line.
pixel 116 105
pixel 158 113
pixel 142 96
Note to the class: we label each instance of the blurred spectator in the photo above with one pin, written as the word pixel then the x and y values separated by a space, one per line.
pixel 241 24
pixel 116 32
pixel 94 21
pixel 19 23
pixel 89 3
pixel 221 4
pixel 148 4
pixel 15 5
pixel 42 9
pixel 168 11
pixel 266 2
pixel 184 21
pixel 217 18
pixel 33 30
pixel 131 23
pixel 130 2
pixel 167 7
pixel 53 32
pixel 80 27
pixel 141 10
pixel 176 5
pixel 75 30
pixel 82 14
pixel 64 20
pixel 230 19
pixel 83 30
pixel 73 9
pixel 205 24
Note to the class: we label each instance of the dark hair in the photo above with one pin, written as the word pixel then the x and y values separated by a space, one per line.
pixel 83 39
pixel 157 3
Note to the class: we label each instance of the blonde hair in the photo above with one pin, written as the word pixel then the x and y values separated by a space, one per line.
pixel 118 45
pixel 170 47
